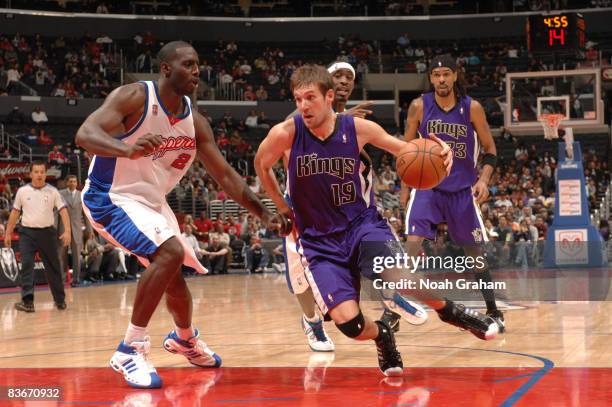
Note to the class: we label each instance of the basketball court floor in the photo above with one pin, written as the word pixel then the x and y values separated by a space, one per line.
pixel 551 355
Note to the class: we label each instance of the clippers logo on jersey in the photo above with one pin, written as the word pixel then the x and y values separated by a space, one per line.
pixel 154 110
pixel 173 144
pixel 308 165
pixel 453 130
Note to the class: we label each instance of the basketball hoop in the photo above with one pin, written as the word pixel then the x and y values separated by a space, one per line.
pixel 550 123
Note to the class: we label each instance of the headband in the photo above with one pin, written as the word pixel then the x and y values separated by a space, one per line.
pixel 340 65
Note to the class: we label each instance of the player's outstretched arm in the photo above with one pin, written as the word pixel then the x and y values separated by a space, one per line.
pixel 413 120
pixel 479 121
pixel 223 173
pixel 272 148
pixel 97 134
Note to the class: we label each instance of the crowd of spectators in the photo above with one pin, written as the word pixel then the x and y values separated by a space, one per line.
pixel 62 67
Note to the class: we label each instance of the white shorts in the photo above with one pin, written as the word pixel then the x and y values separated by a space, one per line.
pixel 134 226
pixel 296 277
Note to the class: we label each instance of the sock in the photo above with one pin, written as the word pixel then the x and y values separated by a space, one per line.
pixel 487 293
pixel 134 333
pixel 314 319
pixel 185 333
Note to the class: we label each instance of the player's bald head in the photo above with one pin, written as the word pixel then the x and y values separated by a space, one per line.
pixel 169 51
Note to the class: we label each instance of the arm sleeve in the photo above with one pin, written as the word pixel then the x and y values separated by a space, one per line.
pixel 18 200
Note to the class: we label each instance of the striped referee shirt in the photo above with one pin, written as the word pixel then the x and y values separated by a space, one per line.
pixel 36 205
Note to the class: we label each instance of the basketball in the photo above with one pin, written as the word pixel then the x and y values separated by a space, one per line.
pixel 420 165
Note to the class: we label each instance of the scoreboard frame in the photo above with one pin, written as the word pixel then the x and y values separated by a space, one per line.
pixel 555 32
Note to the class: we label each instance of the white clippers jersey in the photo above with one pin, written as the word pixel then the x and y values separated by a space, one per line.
pixel 148 179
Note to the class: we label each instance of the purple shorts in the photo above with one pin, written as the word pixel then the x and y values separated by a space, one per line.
pixel 428 208
pixel 334 263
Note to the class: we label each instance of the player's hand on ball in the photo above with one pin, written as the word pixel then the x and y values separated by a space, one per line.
pixel 481 191
pixel 361 110
pixel 145 145
pixel 446 152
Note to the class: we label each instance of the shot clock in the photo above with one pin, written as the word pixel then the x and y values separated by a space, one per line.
pixel 559 32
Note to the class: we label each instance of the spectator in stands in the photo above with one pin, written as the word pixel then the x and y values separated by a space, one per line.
pixel 13 77
pixel 278 259
pixel 203 223
pixel 5 188
pixel 251 119
pixel 219 232
pixel 188 221
pixel 55 156
pixel 144 62
pixel 249 95
pixel 256 256
pixel 192 241
pixel 39 116
pixel 261 93
pixel 262 121
pixel 15 116
pixel 214 257
pixel 102 9
pixel 43 138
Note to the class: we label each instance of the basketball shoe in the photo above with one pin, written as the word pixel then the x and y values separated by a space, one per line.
pixel 132 361
pixel 482 326
pixel 397 306
pixel 195 350
pixel 389 358
pixel 317 337
pixel 498 316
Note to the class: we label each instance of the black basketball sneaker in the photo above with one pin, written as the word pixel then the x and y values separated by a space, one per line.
pixel 482 326
pixel 389 358
pixel 392 319
pixel 498 316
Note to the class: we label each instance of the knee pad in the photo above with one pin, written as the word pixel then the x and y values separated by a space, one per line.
pixel 354 327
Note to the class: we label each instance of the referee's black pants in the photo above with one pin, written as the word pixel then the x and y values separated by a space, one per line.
pixel 45 241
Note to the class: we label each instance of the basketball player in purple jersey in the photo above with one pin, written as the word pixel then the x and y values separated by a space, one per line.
pixel 343 77
pixel 461 122
pixel 335 212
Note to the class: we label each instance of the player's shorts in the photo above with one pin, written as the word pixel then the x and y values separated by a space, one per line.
pixel 428 208
pixel 134 226
pixel 334 263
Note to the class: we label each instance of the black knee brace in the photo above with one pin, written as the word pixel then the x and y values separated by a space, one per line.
pixel 354 327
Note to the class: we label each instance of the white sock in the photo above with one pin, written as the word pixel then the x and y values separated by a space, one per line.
pixel 185 333
pixel 134 333
pixel 314 319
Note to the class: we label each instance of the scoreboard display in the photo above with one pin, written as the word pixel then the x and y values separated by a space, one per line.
pixel 559 32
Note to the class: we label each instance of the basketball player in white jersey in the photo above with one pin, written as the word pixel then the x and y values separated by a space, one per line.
pixel 343 76
pixel 144 137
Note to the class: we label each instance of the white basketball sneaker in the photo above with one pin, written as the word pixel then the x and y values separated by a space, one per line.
pixel 317 337
pixel 195 350
pixel 132 361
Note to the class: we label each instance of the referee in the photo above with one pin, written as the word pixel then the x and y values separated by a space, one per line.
pixel 35 202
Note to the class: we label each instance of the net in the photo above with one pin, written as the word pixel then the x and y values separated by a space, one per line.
pixel 550 122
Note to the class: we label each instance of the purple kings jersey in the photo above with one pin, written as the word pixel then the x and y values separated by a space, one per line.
pixel 455 128
pixel 329 185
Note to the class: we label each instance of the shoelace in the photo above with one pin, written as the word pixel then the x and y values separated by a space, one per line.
pixel 317 329
pixel 143 348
